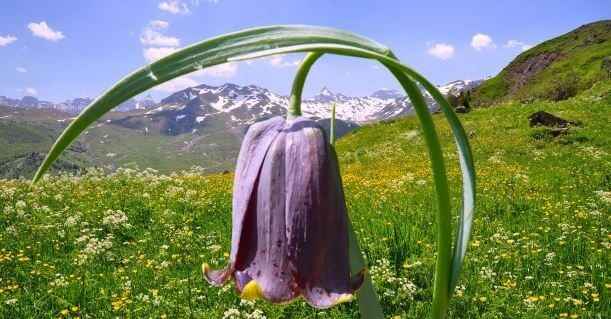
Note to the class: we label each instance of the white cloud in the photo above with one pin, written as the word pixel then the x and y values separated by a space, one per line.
pixel 278 61
pixel 225 70
pixel 154 38
pixel 517 44
pixel 154 54
pixel 42 30
pixel 30 91
pixel 174 7
pixel 6 40
pixel 482 41
pixel 159 24
pixel 442 51
pixel 21 69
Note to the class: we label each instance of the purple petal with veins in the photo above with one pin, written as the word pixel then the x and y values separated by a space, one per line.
pixel 290 231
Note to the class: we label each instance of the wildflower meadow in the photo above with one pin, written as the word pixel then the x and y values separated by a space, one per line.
pixel 130 243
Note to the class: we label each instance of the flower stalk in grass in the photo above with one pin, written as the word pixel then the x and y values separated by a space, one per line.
pixel 264 41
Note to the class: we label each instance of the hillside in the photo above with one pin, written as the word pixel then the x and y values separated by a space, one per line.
pixel 553 70
pixel 131 244
pixel 27 134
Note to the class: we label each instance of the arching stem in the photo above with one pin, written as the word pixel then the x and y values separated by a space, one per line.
pixel 441 294
pixel 294 109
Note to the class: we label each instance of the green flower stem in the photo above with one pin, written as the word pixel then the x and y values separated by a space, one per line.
pixel 444 220
pixel 294 109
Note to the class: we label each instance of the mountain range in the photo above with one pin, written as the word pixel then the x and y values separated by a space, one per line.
pixel 201 125
pixel 239 106
pixel 73 106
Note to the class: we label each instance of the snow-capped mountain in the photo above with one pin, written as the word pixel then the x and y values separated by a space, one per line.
pixel 455 87
pixel 237 107
pixel 234 107
pixel 74 106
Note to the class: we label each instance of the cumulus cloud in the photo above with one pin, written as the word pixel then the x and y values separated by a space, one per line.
pixel 154 38
pixel 225 70
pixel 517 44
pixel 43 30
pixel 30 91
pixel 21 69
pixel 6 40
pixel 157 45
pixel 482 41
pixel 174 7
pixel 441 51
pixel 159 24
pixel 154 54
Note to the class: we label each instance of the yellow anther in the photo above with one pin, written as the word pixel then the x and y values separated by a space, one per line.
pixel 251 291
pixel 345 298
pixel 205 268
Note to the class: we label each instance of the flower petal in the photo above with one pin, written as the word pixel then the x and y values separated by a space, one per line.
pixel 264 263
pixel 317 227
pixel 252 152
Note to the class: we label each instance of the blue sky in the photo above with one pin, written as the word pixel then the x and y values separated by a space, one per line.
pixel 64 49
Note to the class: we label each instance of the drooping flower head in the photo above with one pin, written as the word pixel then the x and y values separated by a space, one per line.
pixel 290 227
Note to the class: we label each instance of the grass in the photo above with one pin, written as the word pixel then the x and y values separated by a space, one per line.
pixel 577 68
pixel 130 244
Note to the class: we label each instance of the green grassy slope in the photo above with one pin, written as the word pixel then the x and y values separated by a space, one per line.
pixel 555 69
pixel 26 135
pixel 132 244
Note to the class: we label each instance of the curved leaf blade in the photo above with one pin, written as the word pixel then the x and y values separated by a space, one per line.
pixel 267 41
pixel 196 57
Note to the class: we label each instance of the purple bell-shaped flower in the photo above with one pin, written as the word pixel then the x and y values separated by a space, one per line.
pixel 290 226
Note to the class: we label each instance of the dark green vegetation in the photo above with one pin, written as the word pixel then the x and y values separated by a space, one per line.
pixel 131 244
pixel 553 70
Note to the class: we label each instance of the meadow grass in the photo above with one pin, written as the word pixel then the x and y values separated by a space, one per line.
pixel 131 243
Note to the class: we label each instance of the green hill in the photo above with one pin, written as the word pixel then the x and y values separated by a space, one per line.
pixel 27 134
pixel 553 70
